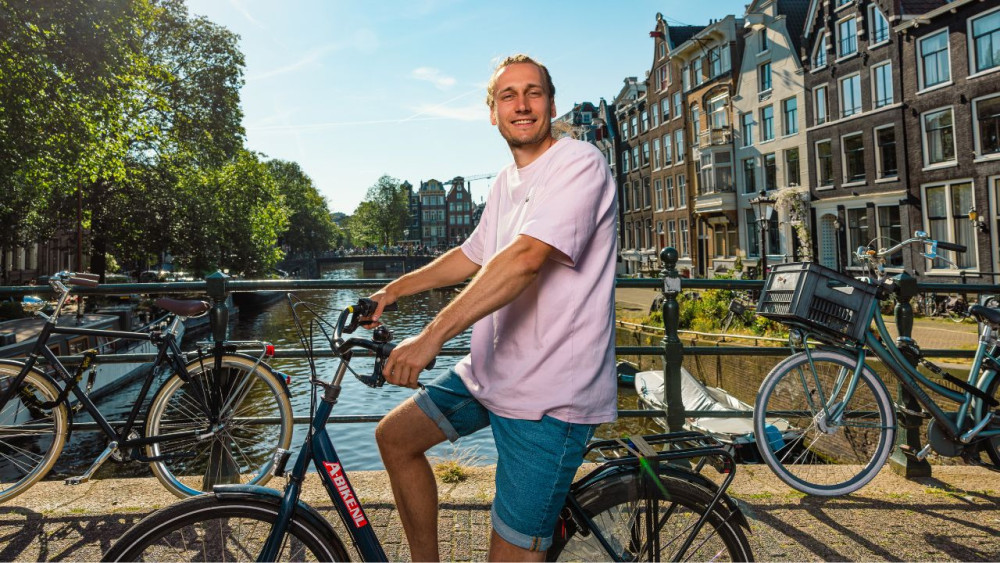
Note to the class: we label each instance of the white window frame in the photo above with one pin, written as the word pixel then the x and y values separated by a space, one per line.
pixel 665 108
pixel 658 193
pixel 874 84
pixel 843 158
pixel 921 81
pixel 972 45
pixel 879 173
pixel 679 149
pixel 825 89
pixel 821 46
pixel 923 138
pixel 668 188
pixel 873 14
pixel 678 106
pixel 763 124
pixel 972 250
pixel 685 237
pixel 668 151
pixel 976 133
pixel 657 162
pixel 854 19
pixel 842 98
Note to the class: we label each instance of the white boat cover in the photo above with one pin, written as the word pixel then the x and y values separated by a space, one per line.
pixel 699 397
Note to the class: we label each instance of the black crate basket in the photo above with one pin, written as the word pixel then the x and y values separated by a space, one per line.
pixel 818 299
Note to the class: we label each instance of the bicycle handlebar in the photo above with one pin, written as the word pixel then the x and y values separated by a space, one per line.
pixel 381 342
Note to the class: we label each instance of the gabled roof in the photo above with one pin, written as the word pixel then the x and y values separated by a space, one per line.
pixel 677 35
pixel 795 12
pixel 917 7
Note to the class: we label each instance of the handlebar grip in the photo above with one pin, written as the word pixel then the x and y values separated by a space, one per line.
pixel 82 281
pixel 951 246
pixel 366 307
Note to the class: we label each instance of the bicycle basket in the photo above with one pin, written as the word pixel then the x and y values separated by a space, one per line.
pixel 817 299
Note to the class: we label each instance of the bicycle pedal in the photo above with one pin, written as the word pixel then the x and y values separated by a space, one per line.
pixel 76 480
pixel 922 454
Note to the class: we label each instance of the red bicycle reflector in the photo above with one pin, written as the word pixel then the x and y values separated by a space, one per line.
pixel 269 350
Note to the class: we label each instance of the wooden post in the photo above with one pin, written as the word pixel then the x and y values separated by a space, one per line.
pixel 673 350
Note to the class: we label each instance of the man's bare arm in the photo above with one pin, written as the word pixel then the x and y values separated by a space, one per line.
pixel 500 281
pixel 451 268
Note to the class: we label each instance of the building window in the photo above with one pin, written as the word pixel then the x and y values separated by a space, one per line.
pixel 672 234
pixel 685 78
pixel 715 61
pixel 764 77
pixel 934 67
pixel 647 194
pixel 792 174
pixel 717 112
pixel 939 137
pixel 752 233
pixel 655 115
pixel 986 112
pixel 677 105
pixel 668 156
pixel 986 41
pixel 850 95
pixel 766 123
pixel 770 172
pixel 665 108
pixel 819 51
pixel 857 230
pixel 682 191
pixel 947 208
pixel 624 161
pixel 819 98
pixel 658 187
pixel 746 129
pixel 645 153
pixel 882 84
pixel 661 77
pixel 656 153
pixel 885 153
pixel 697 72
pixel 671 201
pixel 645 121
pixel 634 126
pixel 847 37
pixel 695 124
pixel 624 131
pixel 679 144
pixel 879 25
pixel 790 109
pixel 764 46
pixel 854 157
pixel 685 238
pixel 890 228
pixel 635 158
pixel 715 173
pixel 749 176
pixel 824 163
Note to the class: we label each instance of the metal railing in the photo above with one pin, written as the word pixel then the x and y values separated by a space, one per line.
pixel 218 286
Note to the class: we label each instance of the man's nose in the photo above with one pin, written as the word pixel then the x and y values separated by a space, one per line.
pixel 522 104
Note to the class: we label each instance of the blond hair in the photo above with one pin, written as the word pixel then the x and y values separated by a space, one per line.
pixel 514 59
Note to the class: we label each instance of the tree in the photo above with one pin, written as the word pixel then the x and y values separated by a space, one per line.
pixel 310 226
pixel 381 218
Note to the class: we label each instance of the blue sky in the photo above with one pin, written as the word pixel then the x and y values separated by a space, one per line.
pixel 352 90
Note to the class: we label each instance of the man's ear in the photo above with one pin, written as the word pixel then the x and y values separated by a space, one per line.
pixel 553 112
pixel 493 116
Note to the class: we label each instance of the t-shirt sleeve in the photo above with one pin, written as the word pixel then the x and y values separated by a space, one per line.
pixel 578 191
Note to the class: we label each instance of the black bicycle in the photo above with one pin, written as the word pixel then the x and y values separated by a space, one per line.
pixel 217 418
pixel 635 505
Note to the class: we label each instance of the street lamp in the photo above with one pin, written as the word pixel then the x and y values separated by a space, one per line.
pixel 763 206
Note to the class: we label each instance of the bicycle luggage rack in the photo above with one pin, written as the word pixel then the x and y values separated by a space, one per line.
pixel 817 299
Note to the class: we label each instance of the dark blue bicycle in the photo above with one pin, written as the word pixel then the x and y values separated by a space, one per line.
pixel 635 505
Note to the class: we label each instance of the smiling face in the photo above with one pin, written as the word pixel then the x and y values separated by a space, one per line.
pixel 523 107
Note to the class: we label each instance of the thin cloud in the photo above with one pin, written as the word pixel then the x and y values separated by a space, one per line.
pixel 434 76
pixel 242 9
pixel 471 112
pixel 307 60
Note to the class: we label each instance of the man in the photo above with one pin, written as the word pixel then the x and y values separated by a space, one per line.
pixel 541 368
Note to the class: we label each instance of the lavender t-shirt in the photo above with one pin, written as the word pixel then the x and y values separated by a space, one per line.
pixel 551 350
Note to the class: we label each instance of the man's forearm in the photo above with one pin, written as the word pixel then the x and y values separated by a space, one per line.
pixel 451 268
pixel 500 282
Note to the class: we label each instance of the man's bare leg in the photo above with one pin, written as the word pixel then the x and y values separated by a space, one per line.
pixel 502 550
pixel 403 436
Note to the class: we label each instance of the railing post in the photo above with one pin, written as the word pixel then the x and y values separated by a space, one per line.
pixel 903 460
pixel 673 350
pixel 218 315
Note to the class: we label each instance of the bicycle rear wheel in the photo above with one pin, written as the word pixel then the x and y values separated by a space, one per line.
pixel 828 448
pixel 208 528
pixel 234 444
pixel 31 438
pixel 645 519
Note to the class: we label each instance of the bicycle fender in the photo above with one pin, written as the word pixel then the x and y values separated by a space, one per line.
pixel 271 496
pixel 251 359
pixel 48 379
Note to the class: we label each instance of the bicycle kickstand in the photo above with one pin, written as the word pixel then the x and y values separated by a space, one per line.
pixel 108 452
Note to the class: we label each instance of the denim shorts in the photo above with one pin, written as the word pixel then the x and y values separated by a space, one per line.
pixel 536 459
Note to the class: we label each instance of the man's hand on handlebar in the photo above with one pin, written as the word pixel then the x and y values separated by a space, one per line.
pixel 410 357
pixel 384 299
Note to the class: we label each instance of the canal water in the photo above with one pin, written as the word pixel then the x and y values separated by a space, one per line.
pixel 355 442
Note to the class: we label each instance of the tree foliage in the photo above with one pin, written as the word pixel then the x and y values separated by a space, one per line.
pixel 310 227
pixel 383 215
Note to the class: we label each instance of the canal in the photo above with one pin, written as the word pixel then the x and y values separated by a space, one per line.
pixel 354 441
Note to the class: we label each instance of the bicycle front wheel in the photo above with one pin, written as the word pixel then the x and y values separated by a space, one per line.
pixel 249 416
pixel 31 437
pixel 648 519
pixel 818 437
pixel 207 528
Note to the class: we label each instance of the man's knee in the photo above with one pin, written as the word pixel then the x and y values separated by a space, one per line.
pixel 406 431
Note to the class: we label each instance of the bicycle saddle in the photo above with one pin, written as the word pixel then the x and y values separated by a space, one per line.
pixel 985 314
pixel 183 307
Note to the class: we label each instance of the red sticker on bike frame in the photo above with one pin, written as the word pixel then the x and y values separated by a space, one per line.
pixel 346 494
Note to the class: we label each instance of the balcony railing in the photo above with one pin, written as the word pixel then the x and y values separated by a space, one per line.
pixel 715 136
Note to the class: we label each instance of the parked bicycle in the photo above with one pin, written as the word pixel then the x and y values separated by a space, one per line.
pixel 198 430
pixel 840 409
pixel 636 505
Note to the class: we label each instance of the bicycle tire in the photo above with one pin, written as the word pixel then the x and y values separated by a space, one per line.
pixel 620 506
pixel 31 438
pixel 209 528
pixel 237 451
pixel 809 456
pixel 991 445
